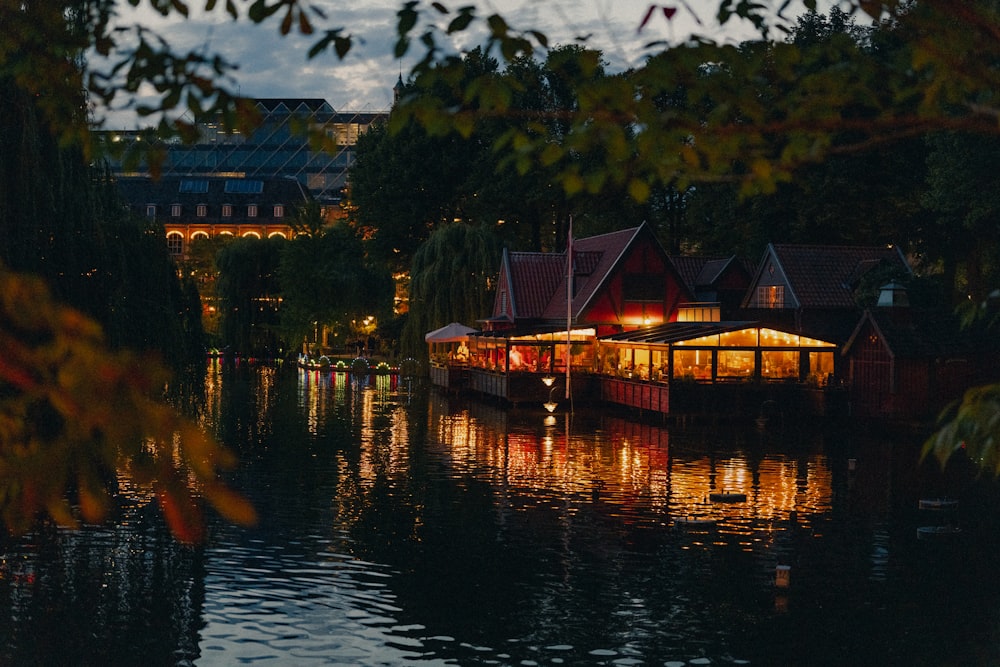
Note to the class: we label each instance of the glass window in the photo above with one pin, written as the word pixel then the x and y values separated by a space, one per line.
pixel 202 210
pixel 175 243
pixel 150 210
pixel 247 186
pixel 821 365
pixel 227 210
pixel 741 338
pixel 279 211
pixel 193 185
pixel 736 364
pixel 779 364
pixel 252 211
pixel 693 364
pixel 712 340
pixel 641 360
pixel 175 210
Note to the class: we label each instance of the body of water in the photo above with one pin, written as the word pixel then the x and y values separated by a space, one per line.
pixel 399 526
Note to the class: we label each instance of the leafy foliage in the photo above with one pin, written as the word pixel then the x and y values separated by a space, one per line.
pixel 451 281
pixel 74 415
pixel 702 112
pixel 249 295
pixel 326 276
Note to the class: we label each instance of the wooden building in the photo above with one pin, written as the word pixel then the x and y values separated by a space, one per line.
pixel 905 364
pixel 818 290
pixel 550 308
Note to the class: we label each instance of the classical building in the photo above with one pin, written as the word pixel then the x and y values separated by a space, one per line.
pixel 190 207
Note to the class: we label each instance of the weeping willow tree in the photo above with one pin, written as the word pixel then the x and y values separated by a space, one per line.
pixel 451 280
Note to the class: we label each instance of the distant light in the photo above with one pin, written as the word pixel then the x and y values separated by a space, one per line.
pixel 548 380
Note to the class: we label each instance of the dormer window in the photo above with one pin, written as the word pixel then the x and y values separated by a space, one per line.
pixel 175 210
pixel 227 210
pixel 252 211
pixel 150 210
pixel 279 211
pixel 202 210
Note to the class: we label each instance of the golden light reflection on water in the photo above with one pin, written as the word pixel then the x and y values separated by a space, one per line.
pixel 626 471
pixel 632 469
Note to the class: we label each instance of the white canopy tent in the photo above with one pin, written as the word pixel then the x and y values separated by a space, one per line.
pixel 450 333
pixel 449 342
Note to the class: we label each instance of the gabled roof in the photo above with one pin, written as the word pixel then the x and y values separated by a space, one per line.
pixel 534 276
pixel 918 334
pixel 594 259
pixel 698 271
pixel 822 276
pixel 536 283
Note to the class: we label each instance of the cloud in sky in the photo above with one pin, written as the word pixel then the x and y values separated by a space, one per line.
pixel 274 66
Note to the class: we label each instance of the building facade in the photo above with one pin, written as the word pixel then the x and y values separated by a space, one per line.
pixel 193 207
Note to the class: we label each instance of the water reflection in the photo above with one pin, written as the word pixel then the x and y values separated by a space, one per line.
pixel 400 526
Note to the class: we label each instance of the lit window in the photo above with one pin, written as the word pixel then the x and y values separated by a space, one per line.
pixel 175 210
pixel 227 210
pixel 780 365
pixel 736 364
pixel 693 364
pixel 202 210
pixel 771 296
pixel 252 211
pixel 175 243
pixel 279 211
pixel 150 210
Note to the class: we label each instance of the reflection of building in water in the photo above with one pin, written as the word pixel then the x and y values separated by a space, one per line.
pixel 635 473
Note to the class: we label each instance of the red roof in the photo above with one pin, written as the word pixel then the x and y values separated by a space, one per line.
pixel 534 277
pixel 594 257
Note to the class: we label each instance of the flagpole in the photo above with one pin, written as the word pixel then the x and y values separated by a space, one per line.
pixel 569 300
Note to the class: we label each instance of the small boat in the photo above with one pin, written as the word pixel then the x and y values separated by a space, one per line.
pixel 727 497
pixel 937 504
pixel 934 532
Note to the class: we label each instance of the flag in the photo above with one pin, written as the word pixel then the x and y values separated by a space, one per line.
pixel 569 300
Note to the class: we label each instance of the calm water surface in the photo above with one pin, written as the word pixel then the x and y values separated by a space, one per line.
pixel 402 527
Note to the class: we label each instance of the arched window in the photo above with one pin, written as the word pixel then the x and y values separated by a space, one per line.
pixel 199 235
pixel 273 234
pixel 255 235
pixel 175 243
